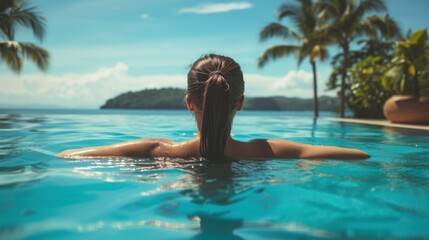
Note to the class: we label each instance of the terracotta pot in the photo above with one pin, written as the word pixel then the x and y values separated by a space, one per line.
pixel 407 109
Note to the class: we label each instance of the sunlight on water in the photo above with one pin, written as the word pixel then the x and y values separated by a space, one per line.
pixel 45 197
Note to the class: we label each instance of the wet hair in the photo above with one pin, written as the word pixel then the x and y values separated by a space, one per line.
pixel 215 86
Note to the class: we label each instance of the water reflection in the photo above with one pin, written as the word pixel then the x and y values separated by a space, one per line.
pixel 11 176
pixel 7 120
pixel 210 186
pixel 216 226
pixel 15 140
pixel 216 183
pixel 203 182
pixel 14 132
pixel 211 200
pixel 405 131
pixel 314 128
pixel 219 184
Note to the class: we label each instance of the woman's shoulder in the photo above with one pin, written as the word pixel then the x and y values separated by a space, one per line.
pixel 252 149
pixel 161 147
pixel 156 141
pixel 153 146
pixel 263 148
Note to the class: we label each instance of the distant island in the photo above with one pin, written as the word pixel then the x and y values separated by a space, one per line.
pixel 173 98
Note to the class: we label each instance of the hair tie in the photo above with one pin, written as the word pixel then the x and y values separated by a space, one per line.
pixel 217 72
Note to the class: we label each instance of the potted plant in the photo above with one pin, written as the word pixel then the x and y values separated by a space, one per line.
pixel 408 76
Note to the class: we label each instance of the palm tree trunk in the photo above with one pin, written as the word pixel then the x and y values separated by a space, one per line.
pixel 315 99
pixel 343 79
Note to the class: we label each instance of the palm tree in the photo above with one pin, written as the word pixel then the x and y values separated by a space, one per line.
pixel 13 14
pixel 304 15
pixel 410 64
pixel 348 21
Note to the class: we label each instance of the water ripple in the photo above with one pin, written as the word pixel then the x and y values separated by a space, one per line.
pixel 13 175
pixel 43 196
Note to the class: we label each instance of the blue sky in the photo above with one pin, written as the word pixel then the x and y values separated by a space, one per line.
pixel 101 48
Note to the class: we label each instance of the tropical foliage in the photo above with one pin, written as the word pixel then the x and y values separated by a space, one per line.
pixel 15 14
pixel 304 14
pixel 382 68
pixel 409 69
pixel 367 95
pixel 368 48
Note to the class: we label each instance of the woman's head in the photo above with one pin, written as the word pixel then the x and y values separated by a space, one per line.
pixel 215 88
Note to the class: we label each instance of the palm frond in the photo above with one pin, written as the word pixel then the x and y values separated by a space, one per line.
pixel 27 16
pixel 301 55
pixel 5 4
pixel 332 8
pixel 288 10
pixel 369 6
pixel 20 14
pixel 277 30
pixel 37 55
pixel 394 78
pixel 276 52
pixel 310 19
pixel 10 56
pixel 333 79
pixel 303 13
pixel 385 25
pixel 13 53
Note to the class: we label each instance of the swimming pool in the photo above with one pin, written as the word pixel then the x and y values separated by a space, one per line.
pixel 45 197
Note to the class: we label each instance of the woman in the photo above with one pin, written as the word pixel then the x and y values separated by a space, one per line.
pixel 215 93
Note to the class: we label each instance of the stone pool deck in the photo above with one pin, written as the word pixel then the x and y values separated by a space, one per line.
pixel 379 122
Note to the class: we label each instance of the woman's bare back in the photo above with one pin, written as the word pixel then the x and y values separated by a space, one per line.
pixel 254 149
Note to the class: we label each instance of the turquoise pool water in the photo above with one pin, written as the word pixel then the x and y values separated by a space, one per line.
pixel 45 197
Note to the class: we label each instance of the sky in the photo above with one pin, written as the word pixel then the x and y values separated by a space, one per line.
pixel 101 48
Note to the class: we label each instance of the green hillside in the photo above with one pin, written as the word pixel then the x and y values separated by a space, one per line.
pixel 173 98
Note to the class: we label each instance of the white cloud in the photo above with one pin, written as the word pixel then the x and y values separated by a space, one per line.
pixel 216 7
pixel 86 90
pixel 294 80
pixel 92 89
pixel 293 84
pixel 144 16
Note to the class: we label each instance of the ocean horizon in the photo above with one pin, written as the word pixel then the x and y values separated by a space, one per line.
pixel 90 111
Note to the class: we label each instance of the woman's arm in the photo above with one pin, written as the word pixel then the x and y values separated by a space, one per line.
pixel 287 149
pixel 135 148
